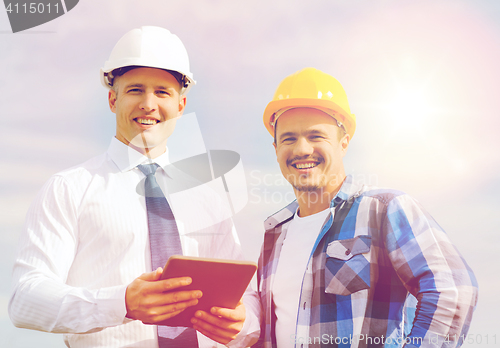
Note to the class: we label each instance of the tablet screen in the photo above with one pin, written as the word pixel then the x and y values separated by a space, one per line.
pixel 222 282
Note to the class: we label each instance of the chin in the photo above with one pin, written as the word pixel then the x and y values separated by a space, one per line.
pixel 308 188
pixel 307 185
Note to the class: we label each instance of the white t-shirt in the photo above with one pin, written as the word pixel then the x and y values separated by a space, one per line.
pixel 294 256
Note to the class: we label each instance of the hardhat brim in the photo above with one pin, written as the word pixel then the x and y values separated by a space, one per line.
pixel 276 105
pixel 105 83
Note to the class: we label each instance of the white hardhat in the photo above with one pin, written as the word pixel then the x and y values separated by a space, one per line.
pixel 152 47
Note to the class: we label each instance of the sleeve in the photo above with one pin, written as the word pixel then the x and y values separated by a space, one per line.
pixel 40 299
pixel 433 271
pixel 229 247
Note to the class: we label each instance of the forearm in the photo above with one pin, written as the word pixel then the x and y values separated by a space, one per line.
pixel 435 273
pixel 443 317
pixel 40 297
pixel 41 303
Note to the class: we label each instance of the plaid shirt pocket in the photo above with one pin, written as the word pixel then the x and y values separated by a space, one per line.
pixel 347 268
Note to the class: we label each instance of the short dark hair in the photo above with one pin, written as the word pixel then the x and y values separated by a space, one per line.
pixel 121 71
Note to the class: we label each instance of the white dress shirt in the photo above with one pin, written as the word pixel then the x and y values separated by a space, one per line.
pixel 86 238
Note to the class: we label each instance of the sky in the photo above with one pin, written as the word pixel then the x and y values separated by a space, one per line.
pixel 422 78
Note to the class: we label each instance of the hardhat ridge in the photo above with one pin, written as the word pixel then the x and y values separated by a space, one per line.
pixel 152 47
pixel 311 88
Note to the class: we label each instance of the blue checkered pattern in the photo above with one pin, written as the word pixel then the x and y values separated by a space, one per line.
pixel 382 273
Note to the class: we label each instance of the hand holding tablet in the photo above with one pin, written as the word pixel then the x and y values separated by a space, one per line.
pixel 222 283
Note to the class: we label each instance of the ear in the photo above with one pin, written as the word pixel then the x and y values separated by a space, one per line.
pixel 182 104
pixel 112 100
pixel 344 143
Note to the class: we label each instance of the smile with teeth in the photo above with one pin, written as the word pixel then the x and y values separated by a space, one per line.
pixel 305 165
pixel 147 121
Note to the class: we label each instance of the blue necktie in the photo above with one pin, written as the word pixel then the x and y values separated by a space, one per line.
pixel 164 242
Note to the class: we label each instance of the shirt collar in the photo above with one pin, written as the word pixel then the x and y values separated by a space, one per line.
pixel 127 158
pixel 348 189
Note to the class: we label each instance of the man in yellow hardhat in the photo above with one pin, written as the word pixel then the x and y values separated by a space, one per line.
pixel 97 236
pixel 346 265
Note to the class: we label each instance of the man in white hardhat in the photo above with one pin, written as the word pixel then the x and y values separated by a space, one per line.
pixel 346 264
pixel 90 256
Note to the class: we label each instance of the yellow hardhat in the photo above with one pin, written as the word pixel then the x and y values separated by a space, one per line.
pixel 310 88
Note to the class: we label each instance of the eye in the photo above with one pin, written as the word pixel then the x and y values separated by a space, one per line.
pixel 162 93
pixel 288 140
pixel 134 90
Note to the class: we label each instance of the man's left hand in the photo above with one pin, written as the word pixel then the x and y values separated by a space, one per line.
pixel 221 324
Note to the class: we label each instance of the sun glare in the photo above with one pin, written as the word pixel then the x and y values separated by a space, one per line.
pixel 409 110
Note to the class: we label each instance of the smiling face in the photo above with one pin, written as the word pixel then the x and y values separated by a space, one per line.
pixel 309 151
pixel 147 104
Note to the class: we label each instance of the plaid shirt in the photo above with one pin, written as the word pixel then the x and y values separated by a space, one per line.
pixel 382 273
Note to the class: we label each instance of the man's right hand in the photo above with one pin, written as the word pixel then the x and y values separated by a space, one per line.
pixel 147 301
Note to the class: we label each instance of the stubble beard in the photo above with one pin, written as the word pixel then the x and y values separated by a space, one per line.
pixel 299 184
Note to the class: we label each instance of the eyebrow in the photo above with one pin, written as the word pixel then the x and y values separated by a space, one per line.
pixel 134 85
pixel 315 132
pixel 163 87
pixel 309 132
pixel 287 134
pixel 140 85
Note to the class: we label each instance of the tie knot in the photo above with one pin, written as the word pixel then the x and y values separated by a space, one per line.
pixel 148 169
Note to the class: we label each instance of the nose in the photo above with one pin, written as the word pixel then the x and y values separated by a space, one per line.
pixel 302 147
pixel 148 103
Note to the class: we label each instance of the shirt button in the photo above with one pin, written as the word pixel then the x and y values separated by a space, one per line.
pixel 348 251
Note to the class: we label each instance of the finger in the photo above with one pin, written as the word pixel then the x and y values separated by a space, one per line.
pixel 168 284
pixel 179 296
pixel 170 315
pixel 152 276
pixel 172 310
pixel 237 314
pixel 159 314
pixel 225 331
pixel 221 326
pixel 162 299
pixel 199 326
pixel 154 320
pixel 228 314
pixel 175 283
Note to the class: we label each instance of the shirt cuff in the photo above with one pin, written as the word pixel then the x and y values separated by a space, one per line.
pixel 250 332
pixel 111 305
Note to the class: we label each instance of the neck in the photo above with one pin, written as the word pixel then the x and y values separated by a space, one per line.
pixel 313 202
pixel 150 152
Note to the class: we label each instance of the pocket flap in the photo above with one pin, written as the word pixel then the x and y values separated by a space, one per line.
pixel 344 249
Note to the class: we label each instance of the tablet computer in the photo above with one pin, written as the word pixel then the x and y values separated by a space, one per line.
pixel 222 282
